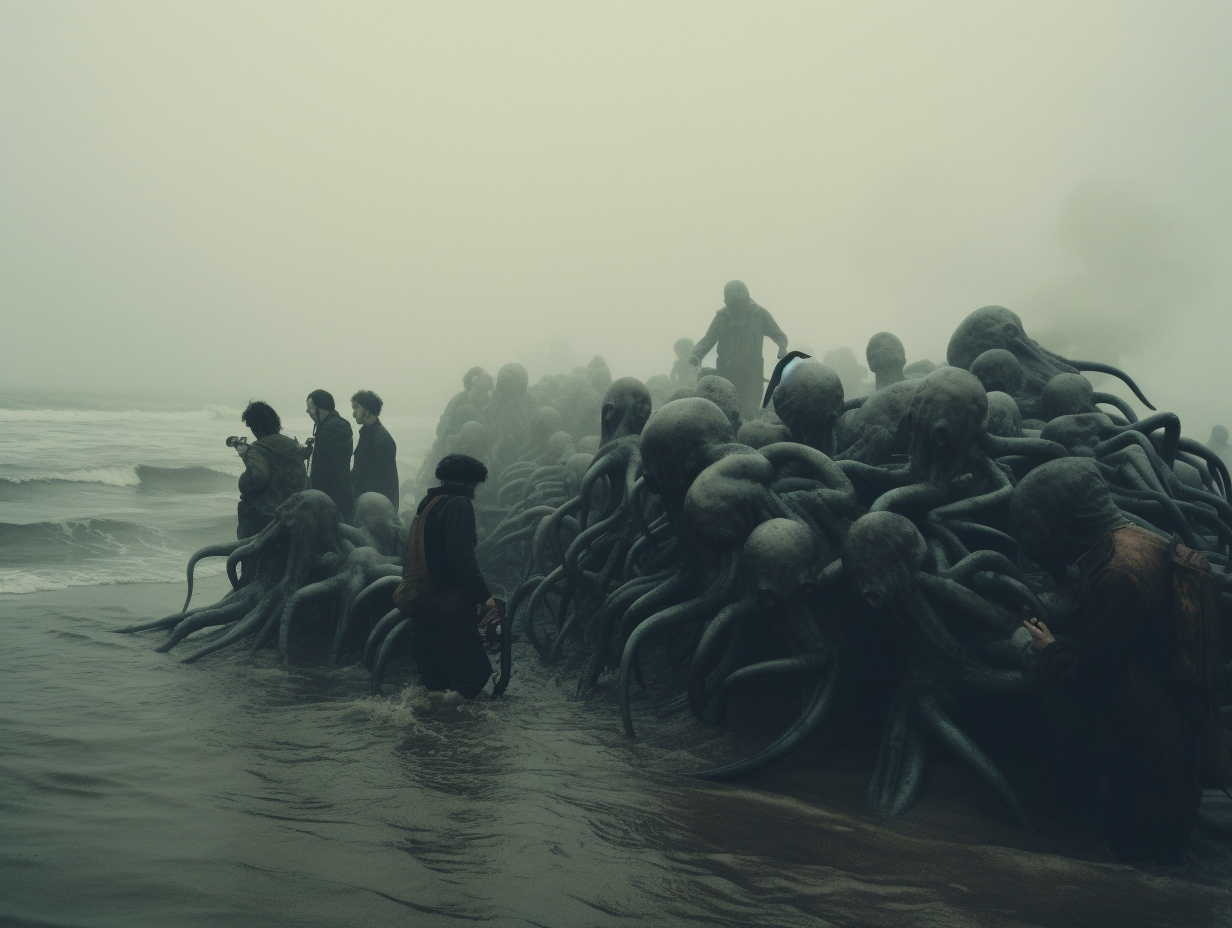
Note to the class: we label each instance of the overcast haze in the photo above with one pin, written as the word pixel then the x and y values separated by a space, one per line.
pixel 247 199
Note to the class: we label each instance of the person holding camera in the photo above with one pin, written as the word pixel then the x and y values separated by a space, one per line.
pixel 273 469
pixel 329 454
pixel 376 468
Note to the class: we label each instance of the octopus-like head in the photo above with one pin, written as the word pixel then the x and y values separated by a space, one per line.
pixel 512 381
pixel 809 400
pixel 626 407
pixel 680 440
pixel 886 358
pixel 998 370
pixel 728 499
pixel 1078 434
pixel 575 470
pixel 780 558
pixel 721 392
pixel 1004 419
pixel 546 423
pixel 376 515
pixel 948 417
pixel 762 431
pixel 880 553
pixel 559 447
pixel 1067 395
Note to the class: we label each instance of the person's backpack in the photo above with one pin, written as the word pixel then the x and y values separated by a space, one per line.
pixel 417 595
pixel 1197 656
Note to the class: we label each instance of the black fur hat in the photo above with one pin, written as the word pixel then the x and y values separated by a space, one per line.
pixel 461 468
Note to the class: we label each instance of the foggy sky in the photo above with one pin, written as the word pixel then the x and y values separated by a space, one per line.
pixel 248 198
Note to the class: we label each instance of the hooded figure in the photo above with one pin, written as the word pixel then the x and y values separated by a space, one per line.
pixel 1128 723
pixel 738 329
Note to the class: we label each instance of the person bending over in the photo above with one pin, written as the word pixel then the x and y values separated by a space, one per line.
pixel 273 469
pixel 1128 690
pixel 738 329
pixel 376 468
pixel 442 585
pixel 329 464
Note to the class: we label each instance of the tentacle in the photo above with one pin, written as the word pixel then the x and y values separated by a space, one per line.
pixel 375 588
pixel 345 612
pixel 219 613
pixel 1116 372
pixel 602 466
pixel 808 722
pixel 528 623
pixel 924 495
pixel 386 651
pixel 779 667
pixel 254 545
pixel 210 551
pixel 985 534
pixel 1111 399
pixel 242 596
pixel 647 593
pixel 902 761
pixel 1213 461
pixel 968 603
pixel 699 608
pixel 311 591
pixel 996 446
pixel 935 719
pixel 378 633
pixel 242 629
pixel 716 633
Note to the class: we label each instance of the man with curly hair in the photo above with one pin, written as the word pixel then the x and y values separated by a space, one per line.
pixel 273 469
pixel 375 469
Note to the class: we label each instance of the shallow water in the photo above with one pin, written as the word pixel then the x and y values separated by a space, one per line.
pixel 141 791
pixel 136 790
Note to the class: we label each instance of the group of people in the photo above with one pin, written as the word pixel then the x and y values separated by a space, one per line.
pixel 337 465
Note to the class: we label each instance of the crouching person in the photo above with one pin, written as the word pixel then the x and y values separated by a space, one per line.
pixel 1129 689
pixel 442 585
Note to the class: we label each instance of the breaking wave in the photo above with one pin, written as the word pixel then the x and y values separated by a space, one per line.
pixel 214 411
pixel 173 479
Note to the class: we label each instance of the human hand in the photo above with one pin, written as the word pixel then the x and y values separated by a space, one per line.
pixel 1041 637
pixel 242 449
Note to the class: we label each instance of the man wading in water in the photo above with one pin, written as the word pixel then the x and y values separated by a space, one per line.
pixel 441 583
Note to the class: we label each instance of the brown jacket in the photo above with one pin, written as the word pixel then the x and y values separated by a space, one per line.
pixel 1156 744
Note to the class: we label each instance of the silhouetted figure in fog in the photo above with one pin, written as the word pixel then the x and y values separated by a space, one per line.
pixel 737 330
pixel 683 373
pixel 1219 442
pixel 476 393
pixel 329 465
pixel 886 359
pixel 375 469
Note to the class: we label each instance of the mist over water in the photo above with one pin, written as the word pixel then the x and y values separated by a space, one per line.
pixel 206 204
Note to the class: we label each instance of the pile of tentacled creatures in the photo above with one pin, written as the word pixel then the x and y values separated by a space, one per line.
pixel 839 545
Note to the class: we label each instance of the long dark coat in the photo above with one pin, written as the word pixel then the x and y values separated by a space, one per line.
pixel 329 468
pixel 376 468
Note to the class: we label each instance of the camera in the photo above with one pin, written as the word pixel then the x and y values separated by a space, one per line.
pixel 309 442
pixel 236 440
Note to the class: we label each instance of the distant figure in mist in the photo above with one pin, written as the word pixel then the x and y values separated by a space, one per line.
pixel 683 374
pixel 273 469
pixel 738 329
pixel 329 467
pixel 476 393
pixel 376 468
pixel 1219 442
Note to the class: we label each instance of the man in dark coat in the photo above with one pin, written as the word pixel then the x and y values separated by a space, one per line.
pixel 376 468
pixel 329 467
pixel 273 469
pixel 738 329
pixel 1129 700
pixel 447 584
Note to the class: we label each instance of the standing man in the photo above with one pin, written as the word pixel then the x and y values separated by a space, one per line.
pixel 442 584
pixel 330 459
pixel 273 469
pixel 376 467
pixel 738 329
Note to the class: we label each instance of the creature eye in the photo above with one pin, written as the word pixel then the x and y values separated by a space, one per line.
pixel 940 435
pixel 873 597
pixel 1010 330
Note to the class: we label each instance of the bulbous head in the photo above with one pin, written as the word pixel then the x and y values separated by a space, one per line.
pixel 1219 437
pixel 471 440
pixel 1067 395
pixel 809 400
pixel 736 295
pixel 762 431
pixel 880 551
pixel 987 328
pixel 575 470
pixel 678 444
pixel 1078 434
pixel 560 445
pixel 1004 418
pixel 948 415
pixel 512 381
pixel 376 515
pixel 546 423
pixel 780 557
pixel 998 370
pixel 726 500
pixel 309 510
pixel 721 392
pixel 626 407
pixel 885 354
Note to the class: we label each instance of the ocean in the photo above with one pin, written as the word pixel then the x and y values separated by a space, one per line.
pixel 138 791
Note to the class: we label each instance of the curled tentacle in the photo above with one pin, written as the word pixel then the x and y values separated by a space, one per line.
pixel 377 635
pixel 210 551
pixel 1116 372
pixel 386 651
pixel 779 667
